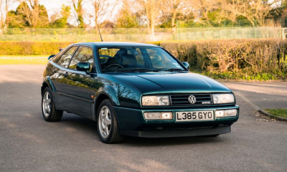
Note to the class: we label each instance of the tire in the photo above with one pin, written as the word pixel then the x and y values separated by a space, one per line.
pixel 108 128
pixel 49 112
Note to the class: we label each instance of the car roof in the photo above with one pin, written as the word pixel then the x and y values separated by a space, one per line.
pixel 116 44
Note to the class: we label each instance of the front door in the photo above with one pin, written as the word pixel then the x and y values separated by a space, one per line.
pixel 60 74
pixel 78 83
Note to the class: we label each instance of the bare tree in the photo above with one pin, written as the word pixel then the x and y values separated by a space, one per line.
pixel 103 10
pixel 126 17
pixel 79 11
pixel 175 7
pixel 232 9
pixel 151 9
pixel 34 13
pixel 4 7
pixel 258 10
pixel 255 11
pixel 2 13
pixel 204 7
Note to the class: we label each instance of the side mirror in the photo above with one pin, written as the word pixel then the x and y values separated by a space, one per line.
pixel 83 66
pixel 185 64
pixel 51 56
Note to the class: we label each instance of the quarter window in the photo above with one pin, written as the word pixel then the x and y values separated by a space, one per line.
pixel 66 57
pixel 83 54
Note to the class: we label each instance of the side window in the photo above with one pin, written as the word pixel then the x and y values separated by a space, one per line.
pixel 66 57
pixel 58 56
pixel 84 54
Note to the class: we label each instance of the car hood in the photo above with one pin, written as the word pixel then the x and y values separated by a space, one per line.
pixel 153 83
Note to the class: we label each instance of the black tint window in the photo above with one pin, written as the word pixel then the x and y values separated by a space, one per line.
pixel 58 56
pixel 84 54
pixel 135 58
pixel 66 57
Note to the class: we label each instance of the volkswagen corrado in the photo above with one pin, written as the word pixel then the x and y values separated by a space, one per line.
pixel 134 89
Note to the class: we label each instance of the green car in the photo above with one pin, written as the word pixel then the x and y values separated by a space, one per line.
pixel 134 89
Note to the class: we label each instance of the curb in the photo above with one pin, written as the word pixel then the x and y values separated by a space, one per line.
pixel 271 116
pixel 261 111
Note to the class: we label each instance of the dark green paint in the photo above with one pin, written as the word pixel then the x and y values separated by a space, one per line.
pixel 77 91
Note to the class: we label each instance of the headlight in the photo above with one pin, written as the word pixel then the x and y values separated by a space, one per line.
pixel 223 98
pixel 155 100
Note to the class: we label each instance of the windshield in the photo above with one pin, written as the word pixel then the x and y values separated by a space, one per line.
pixel 137 59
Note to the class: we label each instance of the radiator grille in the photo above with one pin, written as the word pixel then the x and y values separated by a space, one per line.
pixel 182 99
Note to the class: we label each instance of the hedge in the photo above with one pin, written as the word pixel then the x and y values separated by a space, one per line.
pixel 244 58
pixel 31 48
pixel 255 57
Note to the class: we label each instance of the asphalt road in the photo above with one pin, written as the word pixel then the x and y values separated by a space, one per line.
pixel 28 143
pixel 266 95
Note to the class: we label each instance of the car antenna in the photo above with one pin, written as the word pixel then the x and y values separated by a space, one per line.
pixel 99 32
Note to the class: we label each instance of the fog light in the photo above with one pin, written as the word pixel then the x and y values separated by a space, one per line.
pixel 226 113
pixel 158 115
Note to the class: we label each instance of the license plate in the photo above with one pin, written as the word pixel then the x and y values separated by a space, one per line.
pixel 194 116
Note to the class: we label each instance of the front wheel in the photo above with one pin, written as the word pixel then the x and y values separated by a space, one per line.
pixel 108 128
pixel 49 111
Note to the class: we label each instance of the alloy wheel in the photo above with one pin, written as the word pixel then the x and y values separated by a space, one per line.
pixel 105 121
pixel 46 104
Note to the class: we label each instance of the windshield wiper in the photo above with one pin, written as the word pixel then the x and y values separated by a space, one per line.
pixel 149 70
pixel 170 69
pixel 135 70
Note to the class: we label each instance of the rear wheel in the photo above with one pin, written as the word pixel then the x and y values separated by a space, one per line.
pixel 108 128
pixel 49 111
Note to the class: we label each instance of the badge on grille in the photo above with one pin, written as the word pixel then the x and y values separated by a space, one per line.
pixel 192 99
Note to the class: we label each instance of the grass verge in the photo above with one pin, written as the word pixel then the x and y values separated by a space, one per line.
pixel 20 60
pixel 244 76
pixel 278 112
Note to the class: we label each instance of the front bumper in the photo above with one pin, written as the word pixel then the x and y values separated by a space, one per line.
pixel 132 122
pixel 178 132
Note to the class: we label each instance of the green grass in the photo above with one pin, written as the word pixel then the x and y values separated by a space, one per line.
pixel 278 112
pixel 20 60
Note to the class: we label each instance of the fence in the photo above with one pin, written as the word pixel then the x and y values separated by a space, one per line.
pixel 139 34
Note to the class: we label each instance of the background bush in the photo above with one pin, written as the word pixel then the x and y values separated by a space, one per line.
pixel 259 59
pixel 233 59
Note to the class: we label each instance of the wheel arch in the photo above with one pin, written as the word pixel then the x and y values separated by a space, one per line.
pixel 102 96
pixel 47 83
